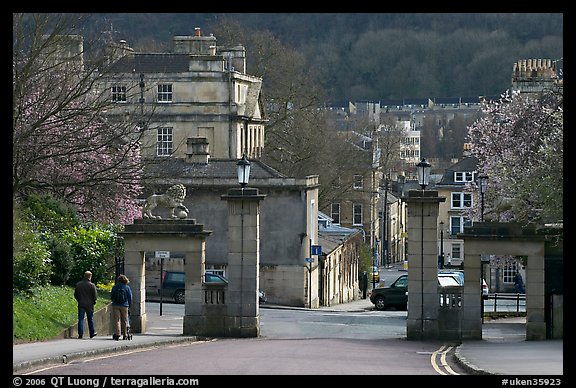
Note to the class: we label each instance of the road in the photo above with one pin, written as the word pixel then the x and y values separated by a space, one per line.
pixel 292 342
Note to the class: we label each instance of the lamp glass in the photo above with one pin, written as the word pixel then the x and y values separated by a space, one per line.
pixel 483 183
pixel 243 171
pixel 423 173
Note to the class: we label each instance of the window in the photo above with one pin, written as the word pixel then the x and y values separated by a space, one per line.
pixel 461 200
pixel 358 181
pixel 457 251
pixel 510 269
pixel 463 176
pixel 118 93
pixel 165 142
pixel 165 93
pixel 357 215
pixel 457 224
pixel 335 213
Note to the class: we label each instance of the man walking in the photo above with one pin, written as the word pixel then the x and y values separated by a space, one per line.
pixel 86 294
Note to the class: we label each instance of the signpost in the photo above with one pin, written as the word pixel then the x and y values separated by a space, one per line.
pixel 315 250
pixel 162 255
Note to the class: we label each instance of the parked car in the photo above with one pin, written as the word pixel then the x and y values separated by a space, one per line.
pixel 484 289
pixel 459 276
pixel 174 287
pixel 396 294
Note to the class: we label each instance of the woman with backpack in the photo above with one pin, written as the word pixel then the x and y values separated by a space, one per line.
pixel 121 301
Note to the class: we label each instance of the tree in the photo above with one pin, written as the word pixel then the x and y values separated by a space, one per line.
pixel 519 145
pixel 63 143
pixel 301 140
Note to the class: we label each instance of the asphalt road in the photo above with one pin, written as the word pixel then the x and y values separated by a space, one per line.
pixel 292 342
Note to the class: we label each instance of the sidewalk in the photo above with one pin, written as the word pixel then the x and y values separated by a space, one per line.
pixel 503 349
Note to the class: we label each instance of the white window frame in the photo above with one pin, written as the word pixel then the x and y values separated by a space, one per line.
pixel 464 176
pixel 164 93
pixel 165 141
pixel 461 223
pixel 357 213
pixel 456 251
pixel 358 183
pixel 461 199
pixel 118 93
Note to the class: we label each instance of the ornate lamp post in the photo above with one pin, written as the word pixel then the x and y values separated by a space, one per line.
pixel 423 169
pixel 243 167
pixel 243 171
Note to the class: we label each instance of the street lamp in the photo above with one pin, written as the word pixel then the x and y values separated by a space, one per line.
pixel 243 171
pixel 423 173
pixel 243 166
pixel 423 169
pixel 483 183
pixel 441 260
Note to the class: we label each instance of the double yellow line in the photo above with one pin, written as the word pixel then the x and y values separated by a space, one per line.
pixel 442 368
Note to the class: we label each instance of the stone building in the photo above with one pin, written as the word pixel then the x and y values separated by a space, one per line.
pixel 198 113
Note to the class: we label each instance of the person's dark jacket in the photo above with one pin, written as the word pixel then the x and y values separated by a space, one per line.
pixel 86 294
pixel 128 302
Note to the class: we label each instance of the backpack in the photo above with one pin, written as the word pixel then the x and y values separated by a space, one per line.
pixel 119 295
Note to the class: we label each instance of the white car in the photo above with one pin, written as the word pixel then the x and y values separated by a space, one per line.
pixel 484 289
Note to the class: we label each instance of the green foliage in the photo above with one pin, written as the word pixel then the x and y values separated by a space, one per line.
pixel 365 260
pixel 47 311
pixel 49 214
pixel 62 259
pixel 94 248
pixel 31 264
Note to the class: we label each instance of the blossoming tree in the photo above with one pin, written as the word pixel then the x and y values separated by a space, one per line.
pixel 64 145
pixel 519 145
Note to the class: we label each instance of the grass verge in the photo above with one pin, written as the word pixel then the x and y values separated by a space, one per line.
pixel 47 312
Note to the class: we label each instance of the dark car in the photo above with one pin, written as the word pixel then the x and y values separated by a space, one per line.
pixel 393 295
pixel 174 288
pixel 173 285
pixel 396 294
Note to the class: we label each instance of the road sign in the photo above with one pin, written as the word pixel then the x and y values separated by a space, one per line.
pixel 162 254
pixel 309 260
pixel 316 250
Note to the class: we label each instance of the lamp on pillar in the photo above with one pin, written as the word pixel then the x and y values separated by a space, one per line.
pixel 423 173
pixel 243 166
pixel 483 183
pixel 423 169
pixel 243 171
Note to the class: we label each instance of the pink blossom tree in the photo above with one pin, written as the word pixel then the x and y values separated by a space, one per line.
pixel 519 145
pixel 64 143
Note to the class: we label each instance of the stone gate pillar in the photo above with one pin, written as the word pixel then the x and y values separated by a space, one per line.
pixel 243 312
pixel 423 297
pixel 148 235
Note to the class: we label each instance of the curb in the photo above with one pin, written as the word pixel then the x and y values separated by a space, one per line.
pixel 65 358
pixel 468 366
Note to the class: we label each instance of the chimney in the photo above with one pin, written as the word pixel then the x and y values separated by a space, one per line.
pixel 197 150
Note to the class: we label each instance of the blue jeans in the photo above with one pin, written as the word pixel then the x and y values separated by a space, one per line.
pixel 90 316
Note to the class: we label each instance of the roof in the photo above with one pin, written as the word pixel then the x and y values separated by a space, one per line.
pixel 467 164
pixel 215 169
pixel 152 63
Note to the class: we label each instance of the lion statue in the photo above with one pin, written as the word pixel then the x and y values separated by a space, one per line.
pixel 172 199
